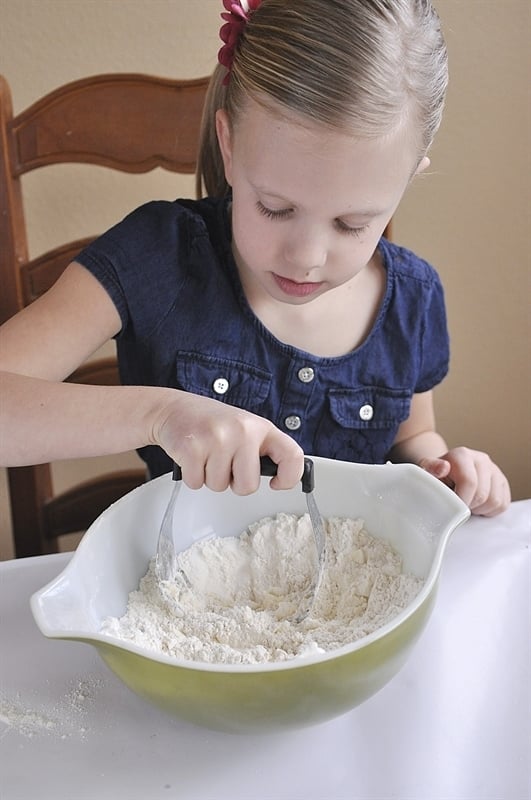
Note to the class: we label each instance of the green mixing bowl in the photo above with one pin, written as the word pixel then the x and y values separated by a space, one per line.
pixel 399 503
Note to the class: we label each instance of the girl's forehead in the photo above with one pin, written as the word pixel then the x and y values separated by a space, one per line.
pixel 274 119
pixel 288 153
pixel 267 119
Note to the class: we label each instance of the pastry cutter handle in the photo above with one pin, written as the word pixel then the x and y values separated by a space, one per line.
pixel 268 468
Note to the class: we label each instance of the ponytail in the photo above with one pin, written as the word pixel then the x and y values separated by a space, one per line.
pixel 210 173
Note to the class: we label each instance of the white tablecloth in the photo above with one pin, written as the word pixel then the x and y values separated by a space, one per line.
pixel 454 724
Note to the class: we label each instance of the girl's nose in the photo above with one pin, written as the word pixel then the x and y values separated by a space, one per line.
pixel 305 251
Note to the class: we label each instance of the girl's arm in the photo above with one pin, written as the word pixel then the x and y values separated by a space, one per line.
pixel 476 479
pixel 43 419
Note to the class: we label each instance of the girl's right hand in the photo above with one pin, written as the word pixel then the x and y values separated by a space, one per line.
pixel 219 445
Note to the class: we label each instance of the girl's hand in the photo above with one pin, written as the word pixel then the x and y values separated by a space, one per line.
pixel 219 445
pixel 476 479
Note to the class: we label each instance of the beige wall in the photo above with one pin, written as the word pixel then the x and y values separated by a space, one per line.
pixel 469 216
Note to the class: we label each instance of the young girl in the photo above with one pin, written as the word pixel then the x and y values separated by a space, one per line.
pixel 272 317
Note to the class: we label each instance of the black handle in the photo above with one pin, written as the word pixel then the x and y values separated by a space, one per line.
pixel 308 477
pixel 268 468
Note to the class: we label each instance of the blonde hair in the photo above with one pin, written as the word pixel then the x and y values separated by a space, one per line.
pixel 359 66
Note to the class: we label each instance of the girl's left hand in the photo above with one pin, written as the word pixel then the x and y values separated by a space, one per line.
pixel 476 479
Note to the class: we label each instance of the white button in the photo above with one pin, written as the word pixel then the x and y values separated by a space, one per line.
pixel 220 385
pixel 293 422
pixel 306 374
pixel 366 412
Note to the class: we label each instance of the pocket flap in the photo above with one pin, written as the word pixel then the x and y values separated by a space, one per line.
pixel 233 382
pixel 369 407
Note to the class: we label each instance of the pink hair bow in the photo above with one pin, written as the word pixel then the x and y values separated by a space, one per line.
pixel 236 17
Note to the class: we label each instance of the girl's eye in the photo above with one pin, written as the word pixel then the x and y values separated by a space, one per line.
pixel 282 213
pixel 271 213
pixel 348 230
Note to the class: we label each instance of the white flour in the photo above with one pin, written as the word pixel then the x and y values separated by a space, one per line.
pixel 31 716
pixel 246 588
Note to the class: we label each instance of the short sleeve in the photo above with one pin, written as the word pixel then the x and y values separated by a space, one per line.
pixel 136 262
pixel 434 353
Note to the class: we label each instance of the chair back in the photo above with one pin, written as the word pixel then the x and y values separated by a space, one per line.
pixel 128 122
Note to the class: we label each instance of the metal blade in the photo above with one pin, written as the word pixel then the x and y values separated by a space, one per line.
pixel 320 539
pixel 165 563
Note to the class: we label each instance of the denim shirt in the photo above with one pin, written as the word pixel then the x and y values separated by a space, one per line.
pixel 169 269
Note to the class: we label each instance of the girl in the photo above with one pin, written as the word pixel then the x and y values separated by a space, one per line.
pixel 270 318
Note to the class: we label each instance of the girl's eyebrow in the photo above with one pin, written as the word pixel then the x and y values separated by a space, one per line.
pixel 366 213
pixel 272 195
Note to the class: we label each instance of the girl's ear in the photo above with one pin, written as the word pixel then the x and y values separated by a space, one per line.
pixel 223 132
pixel 424 164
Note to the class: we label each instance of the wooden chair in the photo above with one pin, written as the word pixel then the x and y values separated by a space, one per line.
pixel 132 123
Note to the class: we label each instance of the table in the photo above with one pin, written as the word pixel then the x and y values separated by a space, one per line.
pixel 454 724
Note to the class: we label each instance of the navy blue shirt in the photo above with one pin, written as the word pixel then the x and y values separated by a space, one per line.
pixel 186 323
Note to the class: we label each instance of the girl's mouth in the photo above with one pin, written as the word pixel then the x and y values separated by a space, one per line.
pixel 295 289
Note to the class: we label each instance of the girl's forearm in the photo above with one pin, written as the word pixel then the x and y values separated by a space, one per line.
pixel 427 444
pixel 215 443
pixel 44 421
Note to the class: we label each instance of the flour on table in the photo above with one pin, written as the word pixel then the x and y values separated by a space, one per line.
pixel 34 715
pixel 245 589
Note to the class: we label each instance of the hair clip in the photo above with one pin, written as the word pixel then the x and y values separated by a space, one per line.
pixel 236 17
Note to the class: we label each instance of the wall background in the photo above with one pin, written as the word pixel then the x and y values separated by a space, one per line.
pixel 469 215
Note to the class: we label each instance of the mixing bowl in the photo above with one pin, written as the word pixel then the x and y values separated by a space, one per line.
pixel 399 503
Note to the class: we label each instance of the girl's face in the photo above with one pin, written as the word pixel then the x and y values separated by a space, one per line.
pixel 309 204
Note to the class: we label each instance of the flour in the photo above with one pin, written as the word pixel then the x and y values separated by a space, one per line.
pixel 24 720
pixel 245 590
pixel 32 716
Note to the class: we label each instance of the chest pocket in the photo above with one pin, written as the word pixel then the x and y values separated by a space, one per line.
pixel 370 407
pixel 361 424
pixel 232 382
